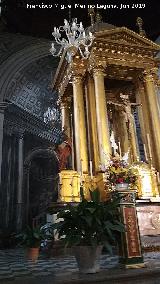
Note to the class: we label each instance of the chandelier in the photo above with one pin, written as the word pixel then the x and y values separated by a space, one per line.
pixel 51 115
pixel 76 40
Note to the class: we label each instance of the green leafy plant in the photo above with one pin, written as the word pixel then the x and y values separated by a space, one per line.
pixel 90 223
pixel 32 237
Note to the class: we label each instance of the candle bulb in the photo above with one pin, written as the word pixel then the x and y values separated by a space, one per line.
pixel 91 169
pixel 65 22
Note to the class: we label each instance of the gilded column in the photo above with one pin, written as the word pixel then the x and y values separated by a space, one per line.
pixel 101 115
pixel 134 142
pixel 149 82
pixel 93 122
pixel 144 118
pixel 79 125
pixel 65 112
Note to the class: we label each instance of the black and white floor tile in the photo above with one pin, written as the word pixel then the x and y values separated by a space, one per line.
pixel 14 265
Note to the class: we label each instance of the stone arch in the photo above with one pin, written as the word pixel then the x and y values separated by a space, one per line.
pixel 43 153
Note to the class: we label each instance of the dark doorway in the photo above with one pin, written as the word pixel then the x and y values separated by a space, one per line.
pixel 42 185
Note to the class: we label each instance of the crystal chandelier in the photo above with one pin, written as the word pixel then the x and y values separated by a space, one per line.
pixel 51 115
pixel 76 39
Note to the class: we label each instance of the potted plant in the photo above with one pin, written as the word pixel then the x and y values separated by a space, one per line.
pixel 87 227
pixel 120 174
pixel 31 238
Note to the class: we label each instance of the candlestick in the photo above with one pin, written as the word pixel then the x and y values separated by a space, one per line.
pixel 158 178
pixel 81 172
pixel 60 179
pixel 72 133
pixel 149 146
pixel 91 169
pixel 119 146
pixel 145 153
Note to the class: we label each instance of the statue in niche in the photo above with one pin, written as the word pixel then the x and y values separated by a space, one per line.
pixel 126 108
pixel 64 151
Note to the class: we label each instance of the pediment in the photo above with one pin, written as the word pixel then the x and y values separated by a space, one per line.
pixel 126 37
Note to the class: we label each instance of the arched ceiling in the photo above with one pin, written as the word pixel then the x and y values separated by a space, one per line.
pixel 26 68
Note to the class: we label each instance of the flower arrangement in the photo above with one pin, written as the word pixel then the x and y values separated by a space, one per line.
pixel 119 172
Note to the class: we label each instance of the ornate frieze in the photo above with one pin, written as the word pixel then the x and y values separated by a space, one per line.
pixel 17 121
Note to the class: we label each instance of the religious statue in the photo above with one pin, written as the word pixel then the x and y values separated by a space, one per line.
pixel 126 108
pixel 64 151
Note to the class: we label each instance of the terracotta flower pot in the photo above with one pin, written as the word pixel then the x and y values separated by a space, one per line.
pixel 32 254
pixel 88 258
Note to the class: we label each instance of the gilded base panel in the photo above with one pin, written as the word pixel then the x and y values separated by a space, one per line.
pixel 69 186
pixel 70 182
pixel 147 181
pixel 97 181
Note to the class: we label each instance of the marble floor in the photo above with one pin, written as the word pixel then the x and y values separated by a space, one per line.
pixel 14 265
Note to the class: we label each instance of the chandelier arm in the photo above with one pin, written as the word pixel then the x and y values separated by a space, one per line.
pixel 58 41
pixel 58 54
pixel 81 53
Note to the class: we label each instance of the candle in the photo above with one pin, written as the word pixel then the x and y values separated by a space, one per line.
pixel 149 146
pixel 81 172
pixel 158 178
pixel 145 152
pixel 81 168
pixel 91 169
pixel 119 146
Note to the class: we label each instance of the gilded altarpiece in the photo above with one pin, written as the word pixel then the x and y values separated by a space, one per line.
pixel 102 93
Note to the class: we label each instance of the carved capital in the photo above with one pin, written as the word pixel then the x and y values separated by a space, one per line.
pixel 3 106
pixel 150 75
pixel 65 103
pixel 19 133
pixel 77 79
pixel 78 68
pixel 97 67
pixel 98 71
